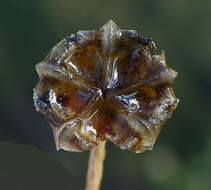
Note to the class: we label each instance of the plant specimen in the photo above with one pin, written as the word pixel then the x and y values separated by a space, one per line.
pixel 106 84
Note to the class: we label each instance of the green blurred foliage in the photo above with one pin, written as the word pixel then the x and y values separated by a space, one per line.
pixel 181 156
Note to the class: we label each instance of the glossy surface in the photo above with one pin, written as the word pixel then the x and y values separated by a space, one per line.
pixel 105 84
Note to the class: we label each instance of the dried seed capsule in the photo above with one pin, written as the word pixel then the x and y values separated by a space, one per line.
pixel 105 84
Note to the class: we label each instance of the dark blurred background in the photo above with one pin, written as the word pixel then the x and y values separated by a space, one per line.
pixel 182 154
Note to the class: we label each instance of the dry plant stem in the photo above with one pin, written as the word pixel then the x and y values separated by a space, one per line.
pixel 95 167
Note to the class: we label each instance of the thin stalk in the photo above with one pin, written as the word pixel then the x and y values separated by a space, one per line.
pixel 95 167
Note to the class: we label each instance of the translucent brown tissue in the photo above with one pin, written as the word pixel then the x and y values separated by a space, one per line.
pixel 105 84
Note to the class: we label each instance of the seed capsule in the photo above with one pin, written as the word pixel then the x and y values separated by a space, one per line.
pixel 105 84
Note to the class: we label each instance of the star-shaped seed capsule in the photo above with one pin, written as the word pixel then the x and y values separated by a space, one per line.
pixel 105 84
